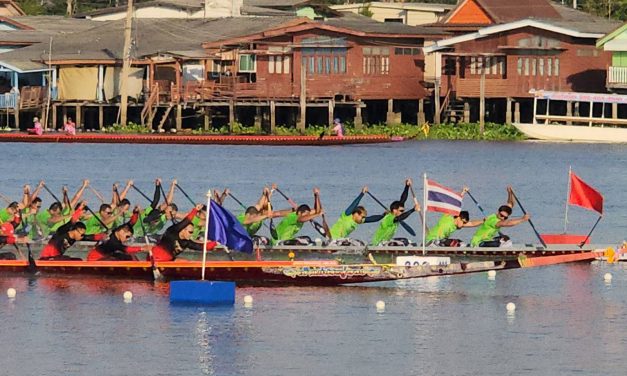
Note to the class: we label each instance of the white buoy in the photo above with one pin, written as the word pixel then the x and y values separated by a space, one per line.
pixel 510 307
pixel 248 300
pixel 607 277
pixel 128 296
pixel 380 305
pixel 11 293
pixel 491 274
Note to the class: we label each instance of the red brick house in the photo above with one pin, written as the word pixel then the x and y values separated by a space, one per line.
pixel 501 62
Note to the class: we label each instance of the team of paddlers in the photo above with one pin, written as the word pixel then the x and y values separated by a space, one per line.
pixel 117 223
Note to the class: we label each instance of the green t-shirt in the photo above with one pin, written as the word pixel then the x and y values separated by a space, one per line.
pixel 40 228
pixel 443 229
pixel 288 227
pixel 5 216
pixel 93 225
pixel 344 226
pixel 386 230
pixel 199 228
pixel 251 228
pixel 486 231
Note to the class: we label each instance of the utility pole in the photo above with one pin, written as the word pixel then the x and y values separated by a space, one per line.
pixel 126 64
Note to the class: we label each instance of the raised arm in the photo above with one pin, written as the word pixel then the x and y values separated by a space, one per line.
pixel 157 195
pixel 510 196
pixel 79 193
pixel 317 205
pixel 35 193
pixel 405 193
pixel 26 196
pixel 122 195
pixel 513 221
pixel 170 195
pixel 351 208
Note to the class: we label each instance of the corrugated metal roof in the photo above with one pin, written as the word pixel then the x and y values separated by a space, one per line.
pixel 511 10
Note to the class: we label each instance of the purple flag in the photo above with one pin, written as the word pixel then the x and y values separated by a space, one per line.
pixel 226 229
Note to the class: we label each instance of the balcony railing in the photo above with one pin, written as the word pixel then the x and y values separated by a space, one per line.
pixel 617 75
pixel 8 100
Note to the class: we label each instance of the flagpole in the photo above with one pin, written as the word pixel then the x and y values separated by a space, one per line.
pixel 570 171
pixel 424 213
pixel 204 245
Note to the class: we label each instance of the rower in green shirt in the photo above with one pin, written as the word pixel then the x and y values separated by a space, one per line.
pixel 252 219
pixel 353 216
pixel 397 213
pixel 486 234
pixel 440 234
pixel 291 225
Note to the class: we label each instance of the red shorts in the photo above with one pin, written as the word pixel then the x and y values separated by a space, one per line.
pixel 49 251
pixel 94 255
pixel 161 254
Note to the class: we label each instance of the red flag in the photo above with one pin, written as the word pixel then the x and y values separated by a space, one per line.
pixel 581 194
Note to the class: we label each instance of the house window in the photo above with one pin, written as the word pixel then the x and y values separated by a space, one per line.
pixel 247 63
pixel 519 66
pixel 549 66
pixel 393 20
pixel 526 66
pixel 286 64
pixel 534 63
pixel 556 67
pixel 323 60
pixel 541 67
pixel 376 60
pixel 271 64
pixel 406 51
pixel 473 65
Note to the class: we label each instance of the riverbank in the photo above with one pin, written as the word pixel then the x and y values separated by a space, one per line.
pixel 313 135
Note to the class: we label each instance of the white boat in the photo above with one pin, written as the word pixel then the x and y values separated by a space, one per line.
pixel 576 133
pixel 589 128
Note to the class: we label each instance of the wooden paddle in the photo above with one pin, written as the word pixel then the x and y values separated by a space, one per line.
pixel 530 222
pixel 156 273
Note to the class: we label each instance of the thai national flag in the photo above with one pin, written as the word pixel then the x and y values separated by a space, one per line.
pixel 442 199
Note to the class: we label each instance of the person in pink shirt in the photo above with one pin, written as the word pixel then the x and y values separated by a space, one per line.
pixel 37 128
pixel 338 128
pixel 69 127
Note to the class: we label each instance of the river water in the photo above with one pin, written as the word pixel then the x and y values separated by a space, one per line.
pixel 568 320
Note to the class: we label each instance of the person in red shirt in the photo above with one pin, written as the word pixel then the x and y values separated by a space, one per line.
pixel 114 249
pixel 8 236
pixel 177 238
pixel 66 236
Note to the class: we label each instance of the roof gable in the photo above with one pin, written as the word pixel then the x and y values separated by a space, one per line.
pixel 618 33
pixel 469 12
pixel 483 12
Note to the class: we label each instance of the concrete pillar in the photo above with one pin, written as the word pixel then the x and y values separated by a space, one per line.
pixel 390 114
pixel 508 111
pixel 466 112
pixel 16 115
pixel 517 112
pixel 64 113
pixel 231 114
pixel 569 111
pixel 576 110
pixel 179 117
pixel 100 117
pixel 421 112
pixel 359 121
pixel 272 116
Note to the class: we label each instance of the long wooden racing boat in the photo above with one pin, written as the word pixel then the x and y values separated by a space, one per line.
pixel 408 262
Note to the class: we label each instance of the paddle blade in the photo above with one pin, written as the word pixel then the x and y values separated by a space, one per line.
pixel 319 228
pixel 408 228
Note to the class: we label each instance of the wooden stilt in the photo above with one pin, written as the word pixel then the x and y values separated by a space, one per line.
pixel 207 116
pixel 535 109
pixel 303 99
pixel 54 116
pixel 517 112
pixel 576 112
pixel 548 106
pixel 272 117
pixel 16 115
pixel 482 101
pixel 257 124
pixel 508 111
pixel 421 111
pixel 569 111
pixel 614 110
pixel 330 112
pixel 436 98
pixel 79 117
pixel 466 112
pixel 590 113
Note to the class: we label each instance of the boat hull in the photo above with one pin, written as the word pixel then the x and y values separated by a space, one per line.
pixel 558 132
